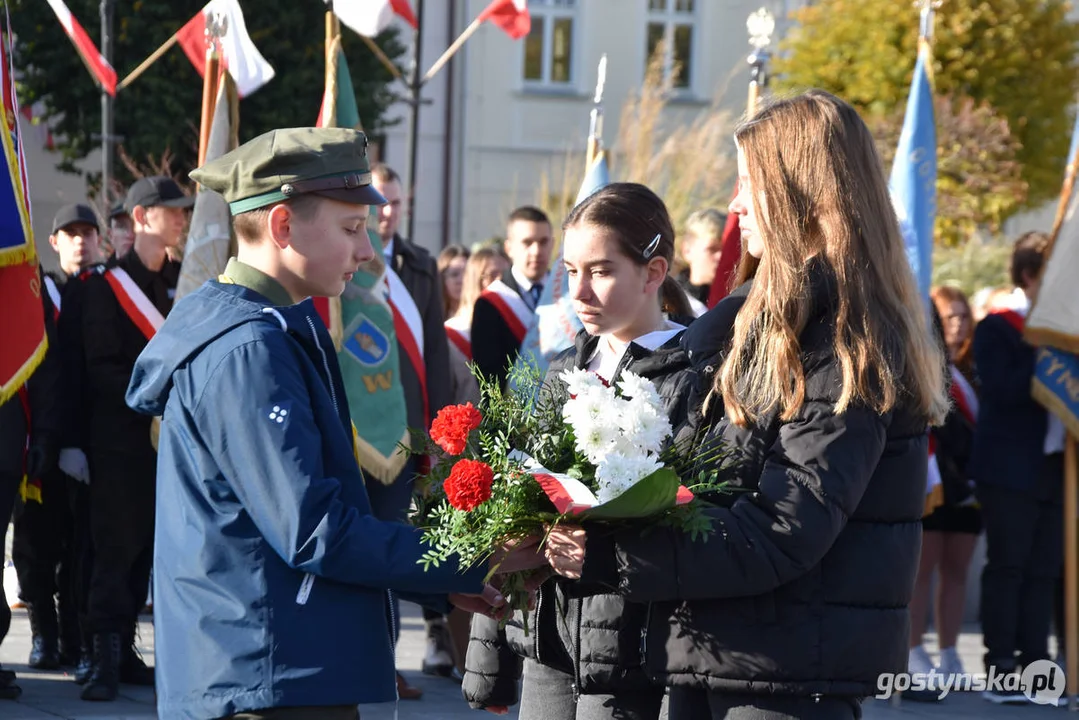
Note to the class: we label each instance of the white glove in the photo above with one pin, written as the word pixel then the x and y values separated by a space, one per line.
pixel 73 462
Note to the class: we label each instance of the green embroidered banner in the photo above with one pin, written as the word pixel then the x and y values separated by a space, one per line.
pixel 370 367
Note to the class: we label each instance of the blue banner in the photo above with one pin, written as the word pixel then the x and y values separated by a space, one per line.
pixel 913 183
pixel 1056 385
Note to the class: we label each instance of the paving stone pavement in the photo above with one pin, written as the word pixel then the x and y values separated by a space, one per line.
pixel 52 695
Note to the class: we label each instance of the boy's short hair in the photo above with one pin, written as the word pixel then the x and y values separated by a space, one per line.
pixel 250 225
pixel 385 174
pixel 1028 256
pixel 528 213
pixel 706 223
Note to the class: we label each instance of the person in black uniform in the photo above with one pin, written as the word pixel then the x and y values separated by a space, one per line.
pixel 32 414
pixel 121 310
pixel 44 548
pixel 504 311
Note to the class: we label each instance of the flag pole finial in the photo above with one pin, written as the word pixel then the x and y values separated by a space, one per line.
pixel 595 120
pixel 927 9
pixel 761 25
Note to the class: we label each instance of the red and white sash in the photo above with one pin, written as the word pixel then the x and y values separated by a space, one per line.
pixel 963 395
pixel 511 306
pixel 408 325
pixel 54 295
pixel 460 334
pixel 147 318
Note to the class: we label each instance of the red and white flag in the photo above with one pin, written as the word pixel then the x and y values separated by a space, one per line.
pixel 370 17
pixel 97 64
pixel 510 15
pixel 245 63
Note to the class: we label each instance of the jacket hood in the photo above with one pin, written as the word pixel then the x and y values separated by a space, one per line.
pixel 195 321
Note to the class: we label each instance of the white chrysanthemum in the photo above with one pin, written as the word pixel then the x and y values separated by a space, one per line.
pixel 586 409
pixel 639 389
pixel 647 428
pixel 578 380
pixel 596 441
pixel 617 473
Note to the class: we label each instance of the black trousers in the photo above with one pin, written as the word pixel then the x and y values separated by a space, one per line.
pixel 82 552
pixel 692 704
pixel 9 487
pixel 1024 554
pixel 12 449
pixel 42 551
pixel 122 497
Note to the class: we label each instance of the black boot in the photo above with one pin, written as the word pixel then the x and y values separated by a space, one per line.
pixel 86 662
pixel 133 671
pixel 104 681
pixel 44 653
pixel 71 641
pixel 8 689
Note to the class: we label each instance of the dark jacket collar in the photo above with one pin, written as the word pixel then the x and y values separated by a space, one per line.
pixel 668 357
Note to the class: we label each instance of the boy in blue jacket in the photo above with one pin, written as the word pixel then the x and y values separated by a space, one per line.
pixel 271 575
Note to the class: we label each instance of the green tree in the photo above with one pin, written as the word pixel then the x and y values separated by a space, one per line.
pixel 1019 56
pixel 979 181
pixel 158 114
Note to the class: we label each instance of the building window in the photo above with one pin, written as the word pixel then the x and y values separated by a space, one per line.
pixel 549 46
pixel 671 22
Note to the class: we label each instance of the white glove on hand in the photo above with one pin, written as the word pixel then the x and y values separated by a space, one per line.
pixel 73 462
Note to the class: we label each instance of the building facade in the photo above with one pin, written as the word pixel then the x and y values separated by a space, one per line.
pixel 505 117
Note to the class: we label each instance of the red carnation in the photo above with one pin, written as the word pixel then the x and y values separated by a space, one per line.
pixel 452 425
pixel 469 484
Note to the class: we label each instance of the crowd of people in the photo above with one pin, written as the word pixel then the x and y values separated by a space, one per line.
pixel 870 448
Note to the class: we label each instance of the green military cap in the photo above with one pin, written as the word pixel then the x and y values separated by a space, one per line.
pixel 283 164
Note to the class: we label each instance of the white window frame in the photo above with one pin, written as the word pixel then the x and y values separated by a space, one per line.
pixel 550 11
pixel 670 18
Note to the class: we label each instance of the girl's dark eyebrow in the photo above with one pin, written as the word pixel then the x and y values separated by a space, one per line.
pixel 592 264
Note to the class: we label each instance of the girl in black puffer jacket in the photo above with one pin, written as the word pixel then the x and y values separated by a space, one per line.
pixel 582 656
pixel 796 604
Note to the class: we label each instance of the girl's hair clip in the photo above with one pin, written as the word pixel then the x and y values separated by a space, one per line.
pixel 652 247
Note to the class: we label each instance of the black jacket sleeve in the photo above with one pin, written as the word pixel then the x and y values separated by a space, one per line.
pixel 72 354
pixel 44 386
pixel 813 478
pixel 1005 363
pixel 492 669
pixel 493 345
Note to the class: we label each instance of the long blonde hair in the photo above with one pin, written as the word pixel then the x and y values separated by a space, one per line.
pixel 822 201
pixel 473 285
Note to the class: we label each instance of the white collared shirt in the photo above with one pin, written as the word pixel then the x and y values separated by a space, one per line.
pixel 522 282
pixel 608 353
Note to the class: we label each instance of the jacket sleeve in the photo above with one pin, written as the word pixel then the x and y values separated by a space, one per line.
pixel 69 335
pixel 813 478
pixel 492 669
pixel 1005 364
pixel 276 471
pixel 436 351
pixel 108 371
pixel 493 345
pixel 45 386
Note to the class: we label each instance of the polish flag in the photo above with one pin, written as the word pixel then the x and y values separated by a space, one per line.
pixel 249 70
pixel 90 55
pixel 370 17
pixel 510 15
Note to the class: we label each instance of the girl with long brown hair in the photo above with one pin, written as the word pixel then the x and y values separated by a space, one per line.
pixel 796 603
pixel 951 529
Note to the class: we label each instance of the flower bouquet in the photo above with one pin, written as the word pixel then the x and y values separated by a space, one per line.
pixel 539 453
